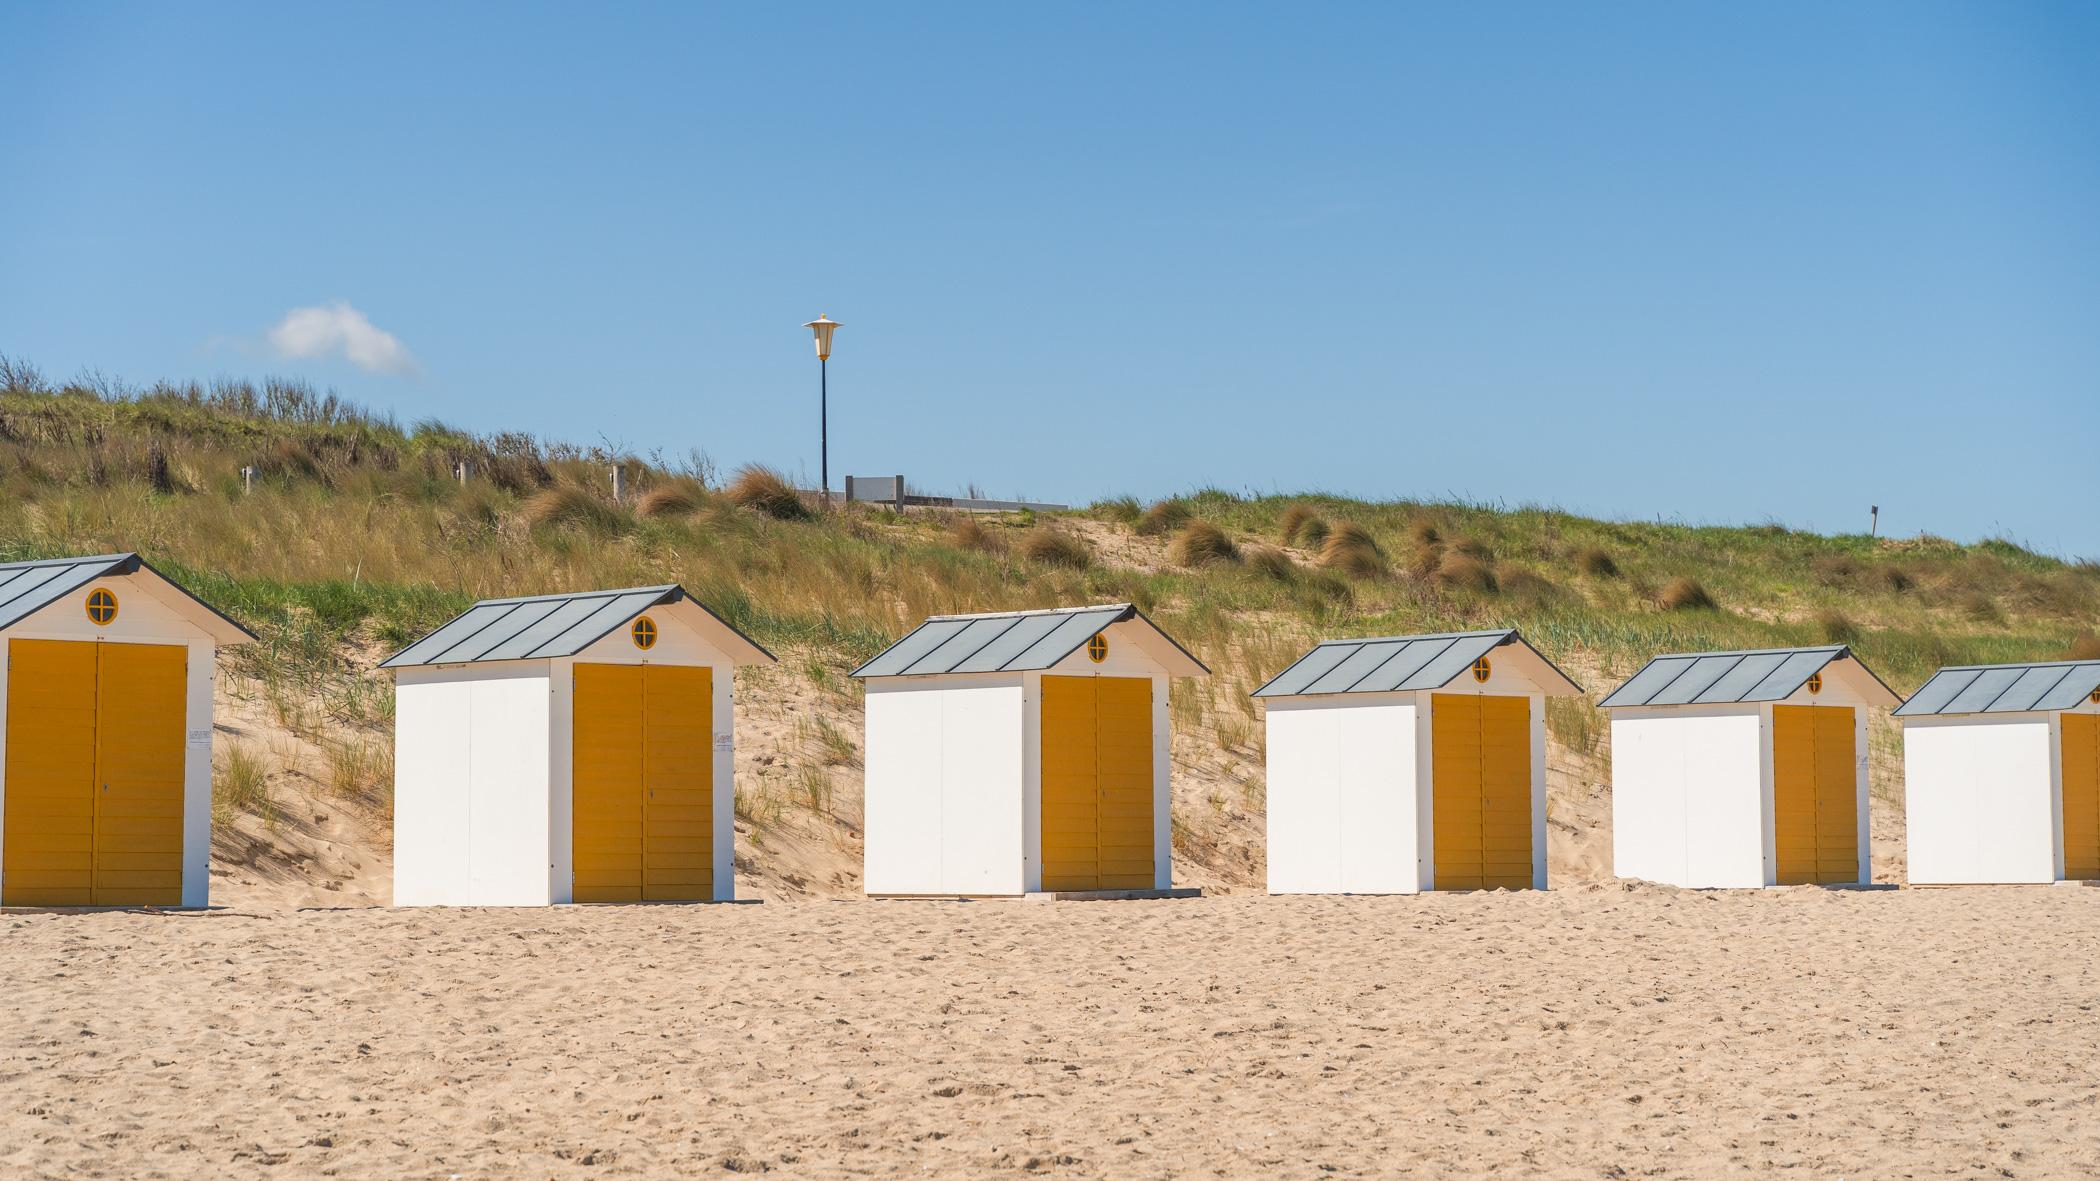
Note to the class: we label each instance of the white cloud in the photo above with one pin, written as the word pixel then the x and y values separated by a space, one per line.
pixel 341 330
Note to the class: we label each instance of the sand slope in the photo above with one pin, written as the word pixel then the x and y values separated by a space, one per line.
pixel 1593 1031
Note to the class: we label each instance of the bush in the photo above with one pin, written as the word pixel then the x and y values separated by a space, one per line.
pixel 568 504
pixel 969 533
pixel 670 500
pixel 1293 522
pixel 1835 627
pixel 1050 547
pixel 1424 533
pixel 763 490
pixel 1201 543
pixel 1351 549
pixel 1313 534
pixel 1979 606
pixel 1897 579
pixel 1595 562
pixel 1463 571
pixel 1685 594
pixel 1123 510
pixel 1834 570
pixel 1272 563
pixel 1162 518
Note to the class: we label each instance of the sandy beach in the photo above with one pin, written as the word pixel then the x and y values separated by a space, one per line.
pixel 1588 1031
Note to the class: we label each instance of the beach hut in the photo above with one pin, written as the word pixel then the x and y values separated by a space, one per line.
pixel 1739 769
pixel 105 754
pixel 1022 753
pixel 567 748
pixel 1410 763
pixel 2001 771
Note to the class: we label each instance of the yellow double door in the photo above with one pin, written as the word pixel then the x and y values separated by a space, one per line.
pixel 1480 754
pixel 2081 780
pixel 1097 814
pixel 643 784
pixel 94 774
pixel 1815 794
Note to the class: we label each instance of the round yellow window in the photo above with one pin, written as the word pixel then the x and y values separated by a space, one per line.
pixel 2094 697
pixel 101 606
pixel 1482 670
pixel 1097 648
pixel 1815 682
pixel 644 631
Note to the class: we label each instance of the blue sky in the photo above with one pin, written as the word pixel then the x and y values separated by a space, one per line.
pixel 1702 262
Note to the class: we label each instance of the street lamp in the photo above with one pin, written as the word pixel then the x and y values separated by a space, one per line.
pixel 823 326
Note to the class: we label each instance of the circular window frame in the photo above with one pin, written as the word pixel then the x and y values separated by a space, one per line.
pixel 1814 684
pixel 1097 647
pixel 2094 697
pixel 1483 668
pixel 644 633
pixel 102 606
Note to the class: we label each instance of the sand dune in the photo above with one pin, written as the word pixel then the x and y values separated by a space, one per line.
pixel 1581 1032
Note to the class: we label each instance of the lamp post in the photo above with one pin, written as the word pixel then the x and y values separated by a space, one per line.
pixel 823 326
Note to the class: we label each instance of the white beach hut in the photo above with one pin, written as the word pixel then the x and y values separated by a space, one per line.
pixel 1410 763
pixel 105 755
pixel 1742 769
pixel 1022 753
pixel 2001 769
pixel 568 748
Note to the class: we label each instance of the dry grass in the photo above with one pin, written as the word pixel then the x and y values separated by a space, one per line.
pixel 1459 570
pixel 240 784
pixel 1055 547
pixel 575 507
pixel 967 532
pixel 1313 534
pixel 764 490
pixel 1291 525
pixel 1685 594
pixel 680 498
pixel 1596 562
pixel 1271 562
pixel 1201 543
pixel 1352 550
pixel 1162 518
pixel 1424 533
pixel 359 768
pixel 1835 627
pixel 2084 646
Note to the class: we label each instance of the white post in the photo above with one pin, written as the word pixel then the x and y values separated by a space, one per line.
pixel 619 483
pixel 464 468
pixel 247 480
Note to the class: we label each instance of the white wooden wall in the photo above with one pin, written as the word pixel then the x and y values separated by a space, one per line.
pixel 1691 789
pixel 1983 798
pixel 472 785
pixel 1342 777
pixel 944 785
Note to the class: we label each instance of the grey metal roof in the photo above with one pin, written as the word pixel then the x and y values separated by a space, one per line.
pixel 1008 641
pixel 1392 664
pixel 2004 688
pixel 29 587
pixel 1718 678
pixel 540 627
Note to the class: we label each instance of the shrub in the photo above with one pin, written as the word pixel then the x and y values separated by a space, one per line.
pixel 1163 518
pixel 568 504
pixel 1834 570
pixel 1595 562
pixel 969 533
pixel 763 490
pixel 1050 547
pixel 1201 543
pixel 670 500
pixel 1424 533
pixel 2084 646
pixel 1123 510
pixel 1685 594
pixel 1979 606
pixel 1293 522
pixel 1271 562
pixel 1835 627
pixel 1313 534
pixel 1897 579
pixel 1463 571
pixel 1351 549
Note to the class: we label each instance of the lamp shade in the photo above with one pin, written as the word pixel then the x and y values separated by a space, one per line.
pixel 823 326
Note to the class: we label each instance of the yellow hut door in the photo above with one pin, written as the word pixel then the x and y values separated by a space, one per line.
pixel 94 774
pixel 2081 779
pixel 1815 794
pixel 1097 815
pixel 642 783
pixel 1480 751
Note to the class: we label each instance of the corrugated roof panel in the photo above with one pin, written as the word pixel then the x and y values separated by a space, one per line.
pixel 1944 686
pixel 1792 673
pixel 1015 640
pixel 1701 676
pixel 1065 637
pixel 428 648
pixel 2074 689
pixel 918 642
pixel 598 624
pixel 1308 668
pixel 1988 686
pixel 1457 658
pixel 1356 666
pixel 2033 685
pixel 1651 680
pixel 24 583
pixel 478 645
pixel 567 613
pixel 1752 668
pixel 960 646
pixel 1398 674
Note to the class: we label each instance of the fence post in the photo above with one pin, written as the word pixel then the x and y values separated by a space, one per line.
pixel 619 483
pixel 899 491
pixel 465 468
pixel 247 480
